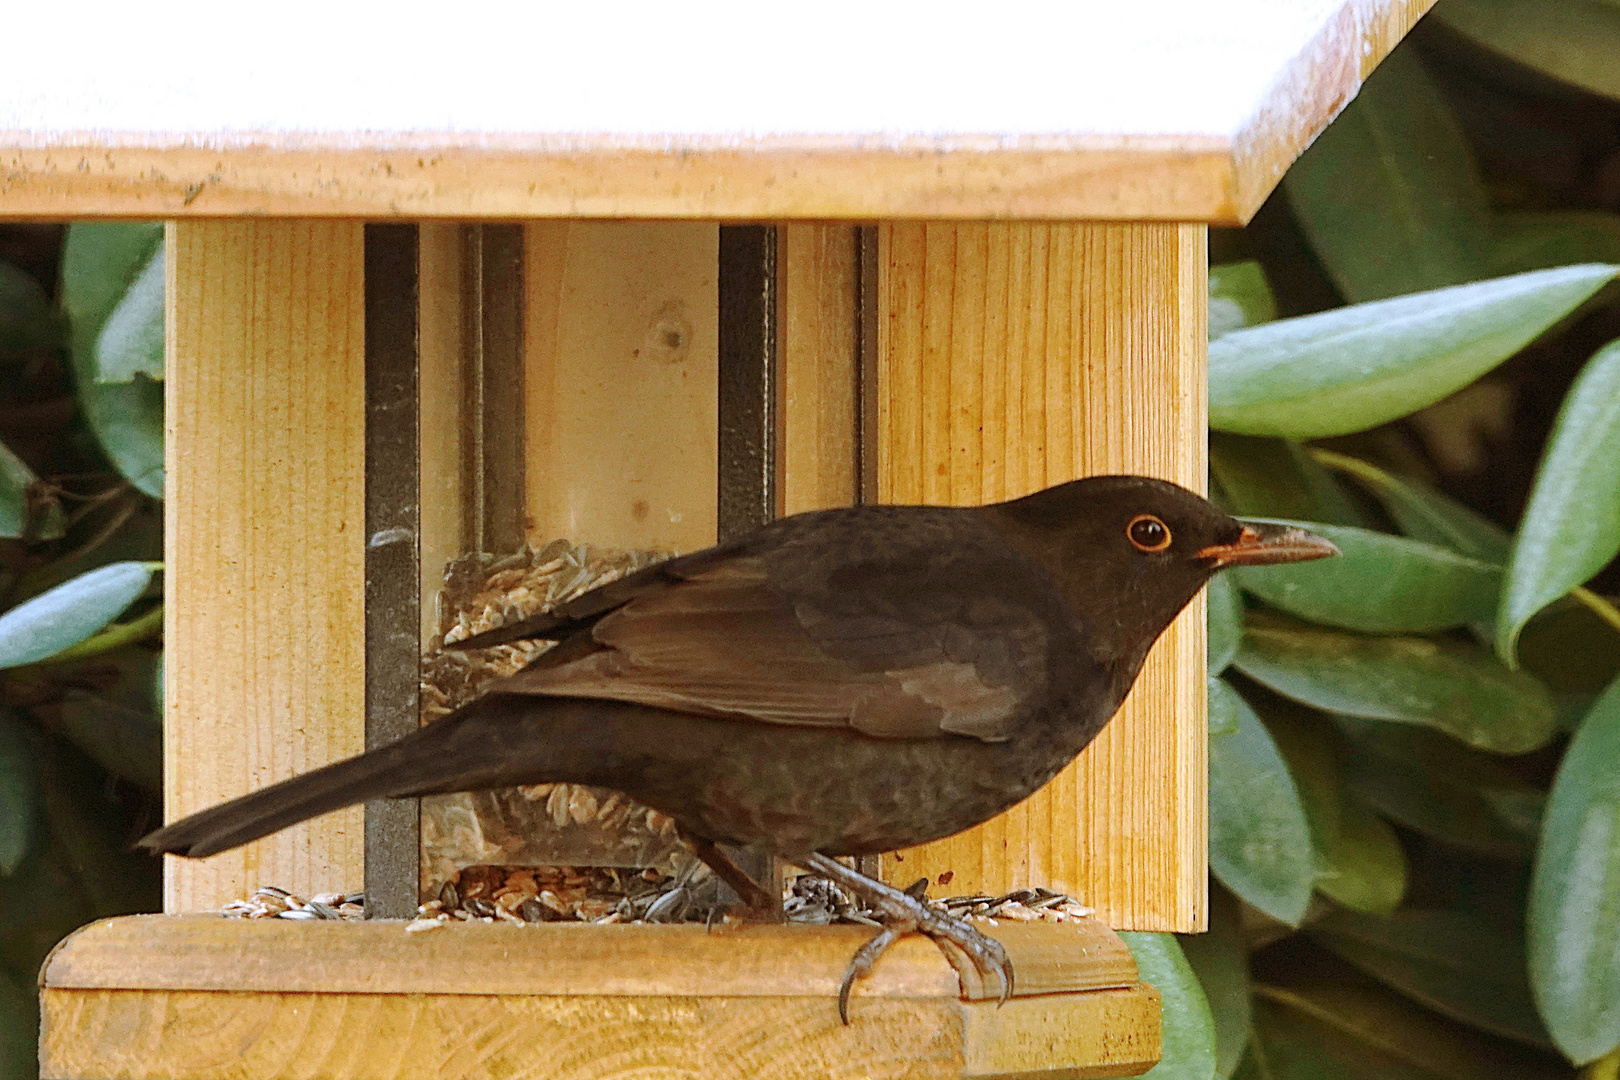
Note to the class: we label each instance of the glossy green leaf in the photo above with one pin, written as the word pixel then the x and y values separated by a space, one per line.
pixel 1366 868
pixel 1225 620
pixel 1220 959
pixel 1571 526
pixel 1354 1024
pixel 131 340
pixel 1536 241
pixel 1572 40
pixel 1238 296
pixel 1359 862
pixel 1423 513
pixel 1574 920
pixel 1354 368
pixel 27 321
pixel 69 613
pixel 15 479
pixel 1189 1030
pixel 1276 478
pixel 1380 584
pixel 100 264
pixel 19 791
pixel 1259 838
pixel 1440 788
pixel 1457 963
pixel 1388 196
pixel 1452 686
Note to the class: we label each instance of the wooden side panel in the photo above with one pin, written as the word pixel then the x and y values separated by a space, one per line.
pixel 442 357
pixel 622 370
pixel 264 630
pixel 1013 357
pixel 159 952
pixel 817 352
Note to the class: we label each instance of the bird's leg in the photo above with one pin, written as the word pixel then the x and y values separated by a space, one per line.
pixel 973 955
pixel 755 897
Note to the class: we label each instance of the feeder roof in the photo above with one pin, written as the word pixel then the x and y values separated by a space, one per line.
pixel 1171 110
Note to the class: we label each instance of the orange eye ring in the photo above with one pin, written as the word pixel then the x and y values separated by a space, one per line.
pixel 1148 533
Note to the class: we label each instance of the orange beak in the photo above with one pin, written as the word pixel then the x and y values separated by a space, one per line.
pixel 1262 545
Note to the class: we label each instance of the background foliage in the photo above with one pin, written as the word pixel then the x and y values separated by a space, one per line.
pixel 1414 750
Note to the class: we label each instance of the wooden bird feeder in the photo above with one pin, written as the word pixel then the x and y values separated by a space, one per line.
pixel 643 277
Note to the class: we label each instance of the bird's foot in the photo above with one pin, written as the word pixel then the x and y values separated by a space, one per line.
pixel 976 958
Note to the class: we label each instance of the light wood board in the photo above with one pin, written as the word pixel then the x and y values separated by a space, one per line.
pixel 265 538
pixel 1178 110
pixel 159 998
pixel 1012 358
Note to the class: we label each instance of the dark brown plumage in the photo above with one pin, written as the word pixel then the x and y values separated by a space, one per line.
pixel 837 683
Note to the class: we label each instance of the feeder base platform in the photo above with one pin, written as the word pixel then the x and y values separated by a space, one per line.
pixel 153 997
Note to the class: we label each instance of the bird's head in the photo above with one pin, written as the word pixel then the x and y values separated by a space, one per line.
pixel 1129 552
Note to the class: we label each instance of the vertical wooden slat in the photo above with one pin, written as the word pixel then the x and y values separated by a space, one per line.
pixel 818 357
pixel 265 535
pixel 621 373
pixel 442 365
pixel 1016 356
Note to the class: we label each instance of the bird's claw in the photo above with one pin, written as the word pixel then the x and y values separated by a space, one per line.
pixel 975 957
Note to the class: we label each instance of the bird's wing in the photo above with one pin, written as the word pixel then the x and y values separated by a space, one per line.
pixel 896 659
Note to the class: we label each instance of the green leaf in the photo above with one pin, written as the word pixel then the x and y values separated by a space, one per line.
pixel 1238 296
pixel 1437 787
pixel 100 265
pixel 1536 241
pixel 15 480
pixel 1380 584
pixel 1457 963
pixel 1366 867
pixel 1354 368
pixel 1359 862
pixel 1225 622
pixel 1571 526
pixel 27 323
pixel 69 613
pixel 1572 40
pixel 1452 686
pixel 1276 478
pixel 1389 196
pixel 1574 921
pixel 19 791
pixel 131 340
pixel 1425 514
pixel 1189 1030
pixel 1221 961
pixel 1351 1023
pixel 1259 839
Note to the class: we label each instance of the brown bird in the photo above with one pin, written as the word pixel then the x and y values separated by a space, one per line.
pixel 842 682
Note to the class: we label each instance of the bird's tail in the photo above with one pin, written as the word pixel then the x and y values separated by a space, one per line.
pixel 490 743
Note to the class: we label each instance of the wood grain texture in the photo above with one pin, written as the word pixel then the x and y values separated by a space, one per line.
pixel 200 998
pixel 817 410
pixel 265 536
pixel 1164 166
pixel 622 369
pixel 1011 358
pixel 199 1035
pixel 442 360
pixel 160 952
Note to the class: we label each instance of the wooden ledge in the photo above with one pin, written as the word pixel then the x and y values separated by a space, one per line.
pixel 165 998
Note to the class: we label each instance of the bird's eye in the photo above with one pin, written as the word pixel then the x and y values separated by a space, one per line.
pixel 1148 533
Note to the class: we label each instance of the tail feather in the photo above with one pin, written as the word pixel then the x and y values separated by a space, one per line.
pixel 470 750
